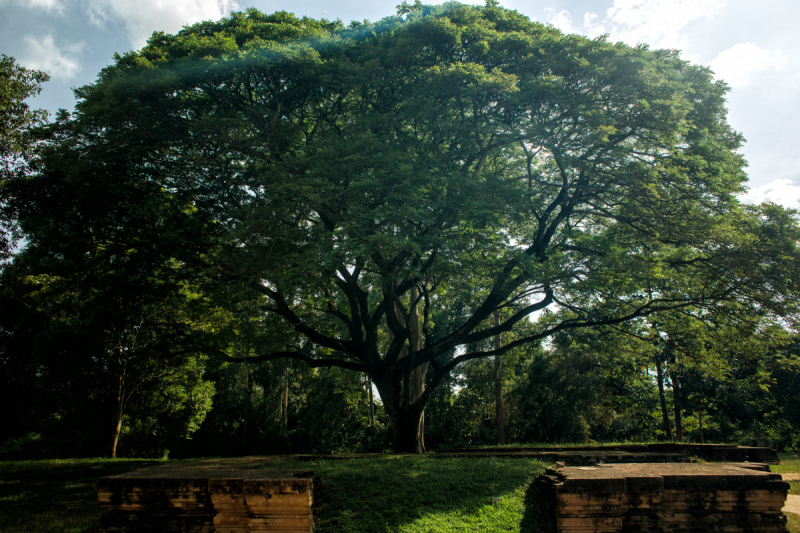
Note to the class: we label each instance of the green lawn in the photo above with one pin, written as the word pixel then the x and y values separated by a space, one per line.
pixel 385 494
pixel 790 463
pixel 380 495
pixel 425 494
pixel 55 496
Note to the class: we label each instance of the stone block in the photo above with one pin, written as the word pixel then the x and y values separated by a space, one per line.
pixel 675 498
pixel 209 499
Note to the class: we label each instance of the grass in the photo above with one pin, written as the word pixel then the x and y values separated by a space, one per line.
pixel 375 495
pixel 56 495
pixel 424 494
pixel 790 462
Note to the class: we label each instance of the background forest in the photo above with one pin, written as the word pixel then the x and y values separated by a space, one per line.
pixel 601 385
pixel 249 228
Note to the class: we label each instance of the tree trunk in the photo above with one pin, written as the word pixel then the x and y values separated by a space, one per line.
pixel 421 371
pixel 700 419
pixel 285 403
pixel 663 400
pixel 117 418
pixel 498 386
pixel 399 397
pixel 117 428
pixel 406 433
pixel 371 402
pixel 406 417
pixel 248 397
pixel 678 406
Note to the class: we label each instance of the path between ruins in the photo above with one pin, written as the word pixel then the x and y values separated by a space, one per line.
pixel 792 504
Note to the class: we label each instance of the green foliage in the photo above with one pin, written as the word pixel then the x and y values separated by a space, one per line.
pixel 333 415
pixel 171 410
pixel 470 418
pixel 309 178
pixel 16 119
pixel 88 332
pixel 17 84
pixel 326 411
pixel 551 402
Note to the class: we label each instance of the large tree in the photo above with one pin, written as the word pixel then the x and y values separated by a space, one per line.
pixel 384 189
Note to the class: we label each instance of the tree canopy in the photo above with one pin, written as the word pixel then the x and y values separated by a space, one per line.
pixel 16 85
pixel 376 193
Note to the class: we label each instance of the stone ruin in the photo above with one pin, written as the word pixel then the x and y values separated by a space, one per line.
pixel 669 498
pixel 664 452
pixel 624 489
pixel 205 499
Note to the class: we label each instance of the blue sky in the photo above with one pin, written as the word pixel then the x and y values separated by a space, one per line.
pixel 751 45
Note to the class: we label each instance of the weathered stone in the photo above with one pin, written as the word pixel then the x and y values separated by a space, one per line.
pixel 209 499
pixel 665 497
pixel 667 452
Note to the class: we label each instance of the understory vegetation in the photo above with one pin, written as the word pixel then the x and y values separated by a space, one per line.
pixel 595 387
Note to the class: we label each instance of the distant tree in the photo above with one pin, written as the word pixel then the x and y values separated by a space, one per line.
pixel 714 371
pixel 167 411
pixel 16 85
pixel 95 350
pixel 362 184
pixel 110 264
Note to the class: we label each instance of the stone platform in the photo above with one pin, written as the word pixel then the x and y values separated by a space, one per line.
pixel 576 457
pixel 669 498
pixel 639 453
pixel 209 498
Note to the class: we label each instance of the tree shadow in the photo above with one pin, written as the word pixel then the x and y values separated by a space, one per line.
pixel 373 495
pixel 385 494
pixel 55 495
pixel 539 515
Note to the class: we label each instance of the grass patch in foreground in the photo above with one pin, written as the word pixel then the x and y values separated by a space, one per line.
pixel 389 494
pixel 424 494
pixel 793 523
pixel 376 495
pixel 790 462
pixel 55 495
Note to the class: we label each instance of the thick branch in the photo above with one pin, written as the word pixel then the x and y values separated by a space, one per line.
pixel 311 361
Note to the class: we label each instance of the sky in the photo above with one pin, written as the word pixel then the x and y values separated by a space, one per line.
pixel 750 45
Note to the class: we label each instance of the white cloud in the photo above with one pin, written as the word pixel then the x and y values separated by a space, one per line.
pixel 740 64
pixel 48 5
pixel 592 27
pixel 44 54
pixel 658 23
pixel 561 20
pixel 780 191
pixel 143 17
